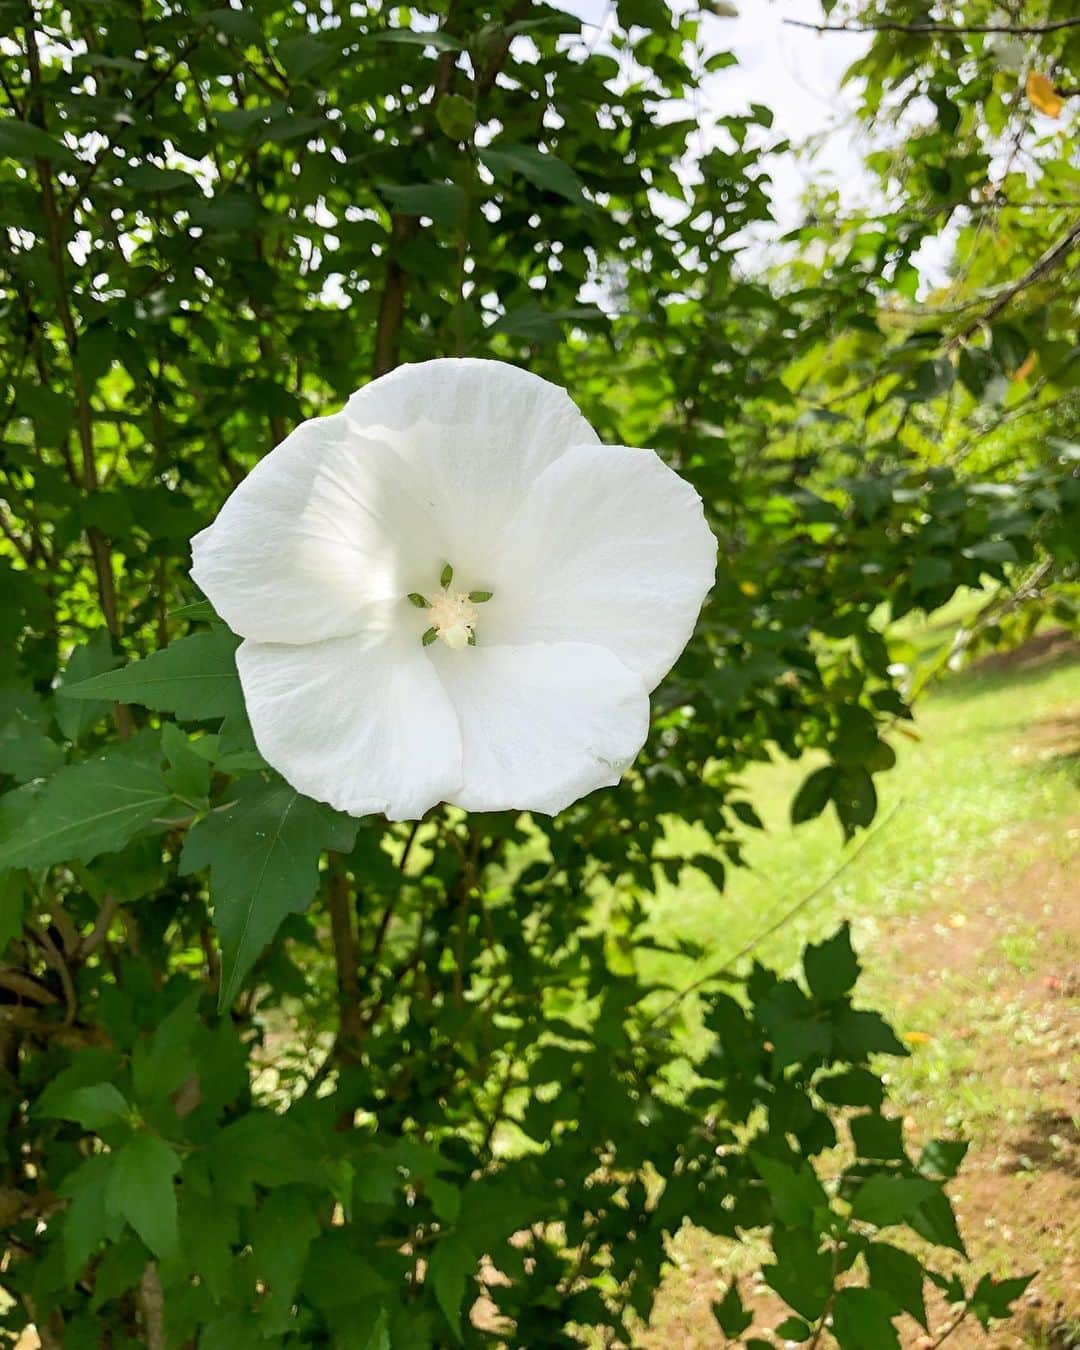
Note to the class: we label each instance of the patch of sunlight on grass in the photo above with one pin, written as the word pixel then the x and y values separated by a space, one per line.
pixel 972 776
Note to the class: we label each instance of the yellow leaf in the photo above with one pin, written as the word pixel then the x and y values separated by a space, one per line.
pixel 1042 95
pixel 916 1037
pixel 748 588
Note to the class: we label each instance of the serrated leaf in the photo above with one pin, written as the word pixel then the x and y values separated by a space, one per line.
pixel 83 810
pixel 193 678
pixel 282 1231
pixel 899 1275
pixel 795 1193
pixel 263 852
pixel 861 1320
pixel 886 1200
pixel 94 657
pixel 94 1107
pixel 992 1299
pixel 86 1223
pixel 140 1191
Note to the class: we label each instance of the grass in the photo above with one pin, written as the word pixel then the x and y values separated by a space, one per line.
pixel 955 793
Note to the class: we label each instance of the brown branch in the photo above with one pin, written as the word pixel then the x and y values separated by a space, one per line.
pixel 890 26
pixel 99 547
pixel 404 228
pixel 151 1299
pixel 100 931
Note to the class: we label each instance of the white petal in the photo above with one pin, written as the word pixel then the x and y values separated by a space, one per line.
pixel 610 547
pixel 541 725
pixel 326 524
pixel 361 722
pixel 477 434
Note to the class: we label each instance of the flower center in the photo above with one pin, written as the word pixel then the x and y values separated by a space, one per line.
pixel 452 614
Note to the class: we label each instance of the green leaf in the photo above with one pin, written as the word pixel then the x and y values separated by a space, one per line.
pixel 443 202
pixel 899 1275
pixel 802 1275
pixel 152 178
pixel 208 1232
pixel 83 810
pixel 934 1220
pixel 188 774
pixel 793 1329
pixel 282 1231
pixel 795 1193
pixel 26 142
pixel 886 1200
pixel 853 1087
pixel 301 55
pixel 141 1191
pixel 193 678
pixel 929 572
pixel 831 966
pixel 26 750
pixel 992 550
pixel 456 116
pixel 992 1299
pixel 452 1262
pixel 731 1313
pixel 542 170
pixel 857 1032
pixel 86 1223
pixel 407 37
pixel 942 1157
pixel 878 1137
pixel 94 1108
pixel 263 852
pixel 862 1320
pixel 814 795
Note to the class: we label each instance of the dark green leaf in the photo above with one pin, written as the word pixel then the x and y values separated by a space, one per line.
pixel 194 678
pixel 263 851
pixel 831 966
pixel 140 1190
pixel 83 810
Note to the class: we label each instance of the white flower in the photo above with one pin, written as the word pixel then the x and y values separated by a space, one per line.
pixel 451 591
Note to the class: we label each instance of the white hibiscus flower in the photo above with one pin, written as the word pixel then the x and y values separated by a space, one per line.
pixel 451 591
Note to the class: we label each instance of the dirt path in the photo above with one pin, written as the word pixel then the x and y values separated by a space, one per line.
pixel 990 986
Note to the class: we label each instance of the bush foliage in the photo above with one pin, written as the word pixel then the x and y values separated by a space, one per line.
pixel 273 1076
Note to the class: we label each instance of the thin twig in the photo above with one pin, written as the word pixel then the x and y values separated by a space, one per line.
pixel 891 26
pixel 1054 255
pixel 784 918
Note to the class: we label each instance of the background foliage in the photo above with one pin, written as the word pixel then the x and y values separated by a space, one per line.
pixel 274 1076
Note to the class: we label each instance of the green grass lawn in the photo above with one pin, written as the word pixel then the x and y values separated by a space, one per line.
pixel 973 777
